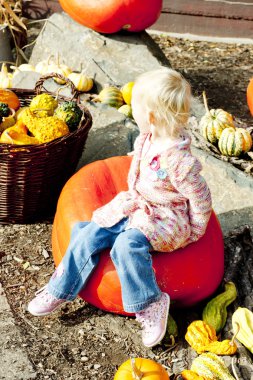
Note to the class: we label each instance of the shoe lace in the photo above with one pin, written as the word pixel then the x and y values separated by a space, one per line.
pixel 45 295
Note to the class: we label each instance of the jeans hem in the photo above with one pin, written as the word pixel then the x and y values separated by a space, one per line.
pixel 57 294
pixel 135 308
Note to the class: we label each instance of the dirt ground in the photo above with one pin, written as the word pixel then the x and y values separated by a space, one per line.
pixel 79 341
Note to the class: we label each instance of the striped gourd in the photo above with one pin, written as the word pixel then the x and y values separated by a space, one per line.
pixel 211 366
pixel 111 96
pixel 214 122
pixel 233 142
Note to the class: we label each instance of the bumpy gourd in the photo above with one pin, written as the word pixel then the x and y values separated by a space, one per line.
pixel 17 134
pixel 214 122
pixel 45 129
pixel 43 105
pixel 225 347
pixel 4 110
pixel 211 366
pixel 199 334
pixel 111 96
pixel 215 312
pixel 70 113
pixel 242 320
pixel 234 141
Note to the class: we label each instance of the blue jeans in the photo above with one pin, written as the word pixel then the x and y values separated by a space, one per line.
pixel 130 253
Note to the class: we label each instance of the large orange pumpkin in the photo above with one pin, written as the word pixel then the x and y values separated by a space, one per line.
pixel 188 275
pixel 110 16
pixel 250 96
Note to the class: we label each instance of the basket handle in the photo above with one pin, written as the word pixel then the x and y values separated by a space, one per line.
pixel 40 82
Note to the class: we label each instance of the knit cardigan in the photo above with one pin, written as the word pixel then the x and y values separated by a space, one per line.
pixel 168 200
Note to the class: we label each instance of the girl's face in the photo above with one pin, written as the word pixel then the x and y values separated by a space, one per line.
pixel 139 112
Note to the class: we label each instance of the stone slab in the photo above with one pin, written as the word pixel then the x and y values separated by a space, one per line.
pixel 14 362
pixel 114 59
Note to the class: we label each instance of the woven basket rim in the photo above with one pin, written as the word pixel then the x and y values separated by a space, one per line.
pixel 85 123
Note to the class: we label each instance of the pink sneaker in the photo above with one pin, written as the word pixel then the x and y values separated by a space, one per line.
pixel 44 303
pixel 153 320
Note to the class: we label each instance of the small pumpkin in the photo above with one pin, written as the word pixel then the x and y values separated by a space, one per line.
pixel 81 81
pixel 250 96
pixel 234 142
pixel 140 368
pixel 9 97
pixel 23 67
pixel 214 122
pixel 5 77
pixel 111 96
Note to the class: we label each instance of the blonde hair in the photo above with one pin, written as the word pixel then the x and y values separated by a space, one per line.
pixel 167 94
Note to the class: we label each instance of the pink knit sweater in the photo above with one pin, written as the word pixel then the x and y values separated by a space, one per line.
pixel 168 200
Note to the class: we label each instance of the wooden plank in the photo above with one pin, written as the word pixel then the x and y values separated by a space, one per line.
pixel 204 26
pixel 210 8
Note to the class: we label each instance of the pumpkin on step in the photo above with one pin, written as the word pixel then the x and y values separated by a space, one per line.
pixel 234 141
pixel 110 16
pixel 214 122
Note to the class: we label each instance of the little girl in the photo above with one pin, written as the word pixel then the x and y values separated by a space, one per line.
pixel 167 206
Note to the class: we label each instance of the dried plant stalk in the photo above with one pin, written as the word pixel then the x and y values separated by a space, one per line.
pixel 11 15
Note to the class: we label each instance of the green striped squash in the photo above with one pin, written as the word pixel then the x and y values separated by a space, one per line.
pixel 111 96
pixel 210 366
pixel 234 141
pixel 213 123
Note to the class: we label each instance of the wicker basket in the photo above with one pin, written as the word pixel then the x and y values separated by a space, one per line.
pixel 32 176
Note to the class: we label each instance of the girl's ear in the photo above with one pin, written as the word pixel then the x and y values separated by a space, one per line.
pixel 151 118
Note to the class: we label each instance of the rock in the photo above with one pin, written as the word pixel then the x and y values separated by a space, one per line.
pixel 112 134
pixel 132 54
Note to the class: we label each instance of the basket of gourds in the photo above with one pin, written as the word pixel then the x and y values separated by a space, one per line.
pixel 42 137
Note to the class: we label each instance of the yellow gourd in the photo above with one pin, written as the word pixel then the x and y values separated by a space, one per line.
pixel 242 321
pixel 200 334
pixel 81 81
pixel 17 134
pixel 126 91
pixel 202 337
pixel 5 77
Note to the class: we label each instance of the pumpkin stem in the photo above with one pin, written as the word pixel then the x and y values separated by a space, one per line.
pixel 137 374
pixel 205 102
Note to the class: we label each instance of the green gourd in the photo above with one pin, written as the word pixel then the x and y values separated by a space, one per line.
pixel 70 113
pixel 171 332
pixel 215 312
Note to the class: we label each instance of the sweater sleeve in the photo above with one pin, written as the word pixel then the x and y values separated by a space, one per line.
pixel 185 177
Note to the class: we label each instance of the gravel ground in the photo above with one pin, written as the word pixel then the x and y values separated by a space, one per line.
pixel 79 341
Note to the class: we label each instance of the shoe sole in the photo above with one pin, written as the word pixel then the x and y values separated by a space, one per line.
pixel 48 312
pixel 164 332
